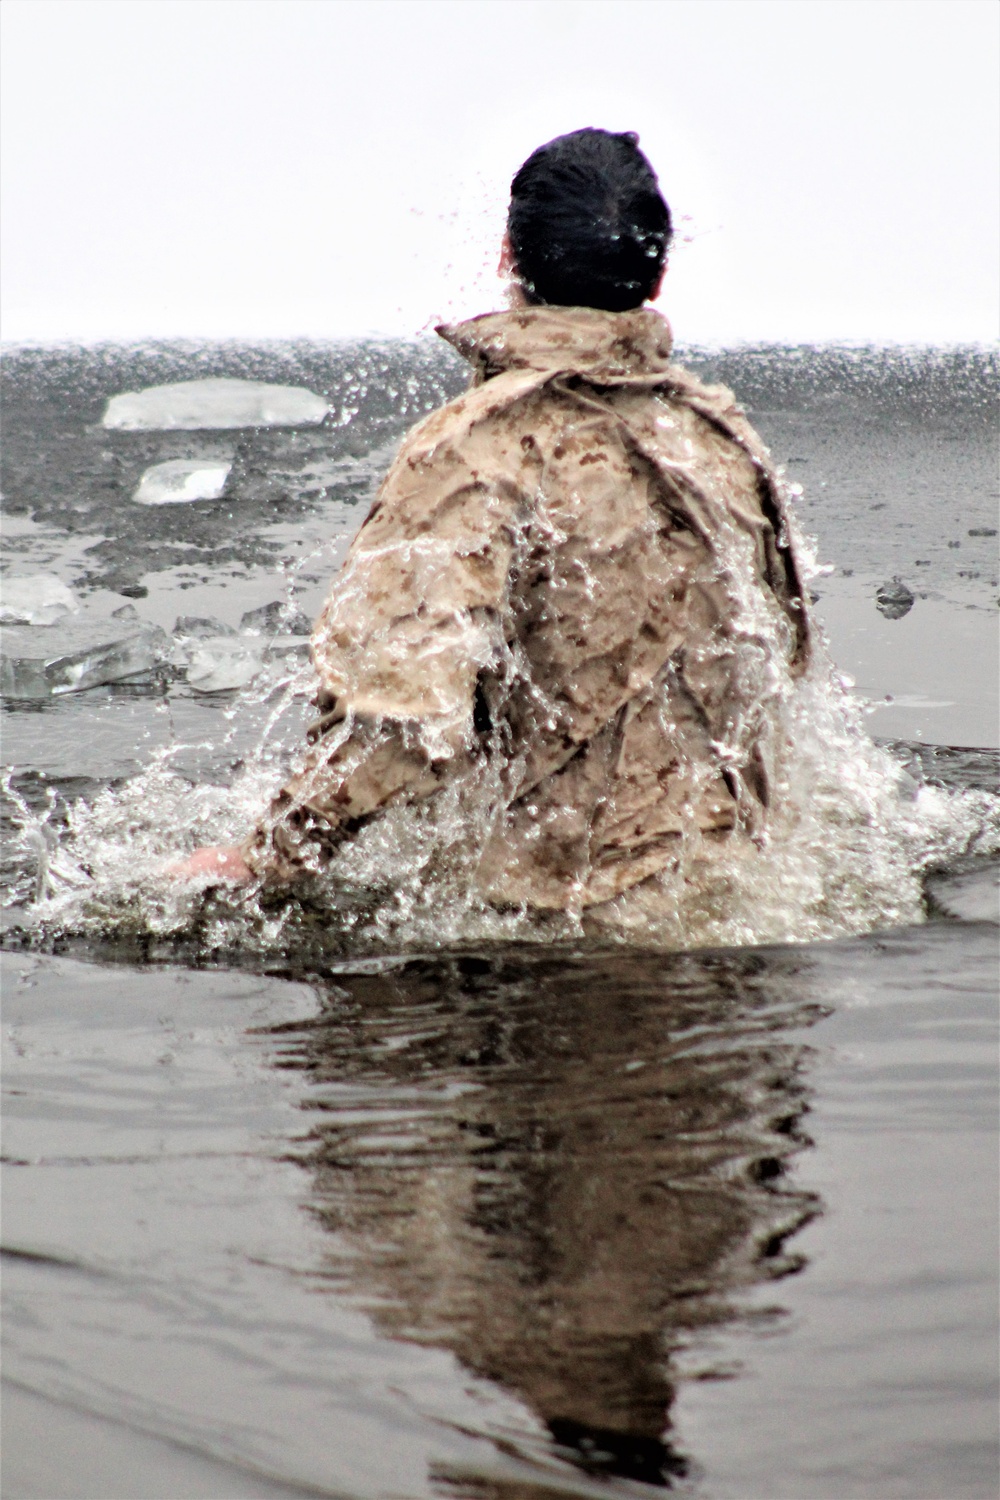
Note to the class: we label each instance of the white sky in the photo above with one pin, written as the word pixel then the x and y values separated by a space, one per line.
pixel 324 167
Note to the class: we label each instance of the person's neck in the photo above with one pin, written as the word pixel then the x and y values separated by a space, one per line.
pixel 514 296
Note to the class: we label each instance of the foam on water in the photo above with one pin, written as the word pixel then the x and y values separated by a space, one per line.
pixel 850 837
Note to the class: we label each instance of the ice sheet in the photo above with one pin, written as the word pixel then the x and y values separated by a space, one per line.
pixel 36 600
pixel 44 661
pixel 215 404
pixel 181 480
pixel 221 664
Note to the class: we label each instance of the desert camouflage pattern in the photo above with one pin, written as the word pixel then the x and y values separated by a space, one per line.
pixel 576 588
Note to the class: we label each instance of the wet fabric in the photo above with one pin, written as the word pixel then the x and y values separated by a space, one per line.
pixel 575 591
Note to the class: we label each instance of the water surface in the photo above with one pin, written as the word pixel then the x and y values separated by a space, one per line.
pixel 501 1218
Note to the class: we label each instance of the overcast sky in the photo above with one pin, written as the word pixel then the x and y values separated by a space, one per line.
pixel 326 167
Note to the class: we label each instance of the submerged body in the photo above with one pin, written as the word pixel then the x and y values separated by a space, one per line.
pixel 576 592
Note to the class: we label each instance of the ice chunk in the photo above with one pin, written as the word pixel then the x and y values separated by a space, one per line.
pixel 215 404
pixel 202 627
pixel 287 645
pixel 44 661
pixel 222 663
pixel 40 600
pixel 971 894
pixel 894 599
pixel 276 618
pixel 181 480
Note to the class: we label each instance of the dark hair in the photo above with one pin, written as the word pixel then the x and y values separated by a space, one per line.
pixel 588 225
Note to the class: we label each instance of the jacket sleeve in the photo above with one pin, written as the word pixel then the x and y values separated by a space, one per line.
pixel 412 618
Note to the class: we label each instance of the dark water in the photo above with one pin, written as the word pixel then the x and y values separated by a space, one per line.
pixel 508 1220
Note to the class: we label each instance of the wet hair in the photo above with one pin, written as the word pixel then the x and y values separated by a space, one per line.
pixel 588 225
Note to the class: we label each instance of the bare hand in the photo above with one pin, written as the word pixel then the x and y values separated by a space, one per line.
pixel 225 863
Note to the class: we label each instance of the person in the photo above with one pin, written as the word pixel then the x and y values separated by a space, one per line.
pixel 576 589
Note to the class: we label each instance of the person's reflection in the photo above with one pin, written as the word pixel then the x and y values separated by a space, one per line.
pixel 558 1167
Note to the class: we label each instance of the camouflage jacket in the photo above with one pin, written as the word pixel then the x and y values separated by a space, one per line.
pixel 579 575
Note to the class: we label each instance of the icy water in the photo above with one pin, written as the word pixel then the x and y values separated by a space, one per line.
pixel 311 1216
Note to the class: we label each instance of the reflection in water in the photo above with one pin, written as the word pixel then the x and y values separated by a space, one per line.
pixel 559 1166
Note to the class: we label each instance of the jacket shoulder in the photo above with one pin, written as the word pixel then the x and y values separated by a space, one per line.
pixel 717 404
pixel 448 459
pixel 455 420
pixel 713 396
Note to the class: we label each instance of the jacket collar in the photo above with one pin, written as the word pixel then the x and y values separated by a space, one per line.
pixel 602 346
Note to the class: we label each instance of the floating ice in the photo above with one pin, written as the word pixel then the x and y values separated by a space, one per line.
pixel 39 600
pixel 45 661
pixel 201 627
pixel 287 645
pixel 894 599
pixel 276 618
pixel 222 663
pixel 971 894
pixel 196 404
pixel 181 480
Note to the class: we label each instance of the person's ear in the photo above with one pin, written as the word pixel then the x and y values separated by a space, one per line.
pixel 507 267
pixel 658 288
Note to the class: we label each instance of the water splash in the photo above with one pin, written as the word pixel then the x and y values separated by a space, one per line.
pixel 848 840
